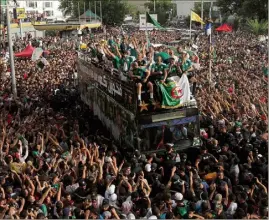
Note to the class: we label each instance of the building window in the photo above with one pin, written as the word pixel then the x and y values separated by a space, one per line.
pixel 49 13
pixel 47 4
pixel 31 4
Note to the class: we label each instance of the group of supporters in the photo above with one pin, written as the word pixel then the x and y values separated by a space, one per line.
pixel 56 161
pixel 143 63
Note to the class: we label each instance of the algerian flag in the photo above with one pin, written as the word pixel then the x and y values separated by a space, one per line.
pixel 151 20
pixel 176 92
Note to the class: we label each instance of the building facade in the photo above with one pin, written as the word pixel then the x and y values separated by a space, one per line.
pixel 43 8
pixel 184 7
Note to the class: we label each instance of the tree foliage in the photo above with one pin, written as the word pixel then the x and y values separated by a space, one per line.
pixel 245 8
pixel 257 27
pixel 162 9
pixel 113 11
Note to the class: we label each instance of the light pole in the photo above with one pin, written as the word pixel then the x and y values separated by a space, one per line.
pixel 154 5
pixel 11 55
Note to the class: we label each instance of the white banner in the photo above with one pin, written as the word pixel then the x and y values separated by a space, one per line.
pixel 37 53
pixel 142 22
pixel 184 87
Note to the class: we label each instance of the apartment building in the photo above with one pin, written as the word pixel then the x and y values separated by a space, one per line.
pixel 44 8
pixel 185 6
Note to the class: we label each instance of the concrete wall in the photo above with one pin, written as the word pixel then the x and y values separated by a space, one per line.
pixel 33 32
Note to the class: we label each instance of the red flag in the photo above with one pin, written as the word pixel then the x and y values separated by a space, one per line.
pixel 263 100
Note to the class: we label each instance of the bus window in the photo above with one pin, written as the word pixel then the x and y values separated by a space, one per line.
pixel 181 135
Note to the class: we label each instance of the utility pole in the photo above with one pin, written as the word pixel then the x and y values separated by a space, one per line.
pixel 154 6
pixel 210 48
pixel 11 55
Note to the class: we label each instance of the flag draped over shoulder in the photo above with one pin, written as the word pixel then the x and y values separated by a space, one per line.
pixel 196 17
pixel 176 92
pixel 151 20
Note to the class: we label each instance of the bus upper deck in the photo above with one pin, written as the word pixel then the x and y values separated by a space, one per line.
pixel 113 98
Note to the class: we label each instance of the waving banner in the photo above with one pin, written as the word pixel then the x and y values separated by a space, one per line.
pixel 36 54
pixel 175 92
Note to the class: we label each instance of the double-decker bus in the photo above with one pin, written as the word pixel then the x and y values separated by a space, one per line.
pixel 114 100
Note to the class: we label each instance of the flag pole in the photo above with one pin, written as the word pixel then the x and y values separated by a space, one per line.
pixel 78 12
pixel 85 12
pixel 210 48
pixel 90 11
pixel 202 12
pixel 11 55
pixel 147 31
pixel 190 26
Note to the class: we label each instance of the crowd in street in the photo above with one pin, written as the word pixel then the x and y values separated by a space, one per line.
pixel 55 162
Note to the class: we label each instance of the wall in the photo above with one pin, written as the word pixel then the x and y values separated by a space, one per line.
pixel 184 6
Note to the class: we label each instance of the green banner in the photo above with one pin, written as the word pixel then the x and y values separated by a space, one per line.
pixel 170 95
pixel 151 20
pixel 3 3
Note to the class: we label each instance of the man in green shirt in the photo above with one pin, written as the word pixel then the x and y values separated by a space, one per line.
pixel 125 62
pixel 140 76
pixel 173 68
pixel 186 64
pixel 159 69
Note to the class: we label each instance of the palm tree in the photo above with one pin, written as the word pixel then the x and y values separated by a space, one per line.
pixel 256 27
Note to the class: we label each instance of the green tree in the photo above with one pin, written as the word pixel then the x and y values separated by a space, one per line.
pixel 257 27
pixel 132 10
pixel 245 8
pixel 162 9
pixel 198 8
pixel 113 11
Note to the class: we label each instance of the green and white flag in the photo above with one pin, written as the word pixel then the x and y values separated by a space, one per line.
pixel 175 92
pixel 151 20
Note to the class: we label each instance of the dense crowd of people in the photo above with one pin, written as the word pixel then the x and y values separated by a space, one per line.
pixel 57 161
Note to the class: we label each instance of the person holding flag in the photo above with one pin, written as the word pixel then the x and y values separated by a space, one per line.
pixel 195 17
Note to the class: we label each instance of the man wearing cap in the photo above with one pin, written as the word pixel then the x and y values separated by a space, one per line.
pixel 180 211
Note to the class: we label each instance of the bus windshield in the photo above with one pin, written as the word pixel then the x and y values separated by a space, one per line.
pixel 182 134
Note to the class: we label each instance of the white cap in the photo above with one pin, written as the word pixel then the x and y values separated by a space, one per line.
pixel 148 167
pixel 108 159
pixel 113 197
pixel 131 216
pixel 111 189
pixel 178 196
pixel 153 217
